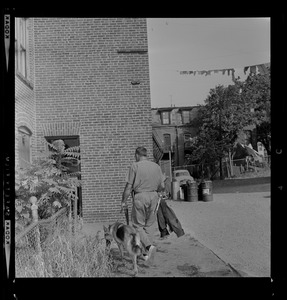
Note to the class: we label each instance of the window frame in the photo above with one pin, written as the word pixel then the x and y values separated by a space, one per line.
pixel 185 116
pixel 21 44
pixel 52 138
pixel 168 117
pixel 167 136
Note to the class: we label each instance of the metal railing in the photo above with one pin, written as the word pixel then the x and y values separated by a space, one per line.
pixel 157 147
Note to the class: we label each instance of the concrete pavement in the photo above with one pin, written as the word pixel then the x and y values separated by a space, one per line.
pixel 175 257
pixel 229 236
pixel 235 226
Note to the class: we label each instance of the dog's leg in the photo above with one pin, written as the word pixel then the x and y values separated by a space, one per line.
pixel 121 248
pixel 135 265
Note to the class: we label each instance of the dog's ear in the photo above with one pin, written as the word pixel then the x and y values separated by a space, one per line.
pixel 105 228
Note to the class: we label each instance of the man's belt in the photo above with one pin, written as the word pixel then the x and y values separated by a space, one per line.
pixel 144 192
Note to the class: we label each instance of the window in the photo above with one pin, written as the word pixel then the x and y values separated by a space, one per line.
pixel 165 117
pixel 187 142
pixel 187 137
pixel 21 37
pixel 71 141
pixel 185 116
pixel 24 147
pixel 167 141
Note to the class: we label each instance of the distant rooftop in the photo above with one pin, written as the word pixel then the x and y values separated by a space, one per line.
pixel 175 107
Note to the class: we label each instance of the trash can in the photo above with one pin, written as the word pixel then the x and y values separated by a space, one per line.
pixel 182 192
pixel 206 190
pixel 192 191
pixel 175 190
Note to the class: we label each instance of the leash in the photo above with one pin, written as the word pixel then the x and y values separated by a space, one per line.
pixel 158 203
pixel 127 215
pixel 126 210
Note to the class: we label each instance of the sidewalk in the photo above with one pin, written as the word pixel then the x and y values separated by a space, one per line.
pixel 175 257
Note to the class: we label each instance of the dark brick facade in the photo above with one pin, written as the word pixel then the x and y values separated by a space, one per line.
pixel 84 70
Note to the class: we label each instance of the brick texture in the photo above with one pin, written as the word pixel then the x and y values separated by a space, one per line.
pixel 83 73
pixel 25 105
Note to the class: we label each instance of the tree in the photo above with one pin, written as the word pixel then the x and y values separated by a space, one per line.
pixel 227 110
pixel 49 180
pixel 257 93
pixel 219 121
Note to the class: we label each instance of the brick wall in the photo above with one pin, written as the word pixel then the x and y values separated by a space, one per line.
pixel 25 105
pixel 178 145
pixel 81 78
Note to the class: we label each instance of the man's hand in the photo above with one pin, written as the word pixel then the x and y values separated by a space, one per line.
pixel 125 196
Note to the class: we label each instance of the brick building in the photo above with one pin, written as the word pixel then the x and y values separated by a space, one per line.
pixel 25 105
pixel 88 83
pixel 172 131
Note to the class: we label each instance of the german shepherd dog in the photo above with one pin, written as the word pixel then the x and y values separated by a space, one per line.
pixel 127 238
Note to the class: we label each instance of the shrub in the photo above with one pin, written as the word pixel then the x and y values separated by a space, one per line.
pixel 48 179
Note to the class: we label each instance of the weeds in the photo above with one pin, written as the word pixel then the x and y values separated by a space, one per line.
pixel 67 254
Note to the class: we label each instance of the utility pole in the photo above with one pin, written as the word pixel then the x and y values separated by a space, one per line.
pixel 220 135
pixel 176 139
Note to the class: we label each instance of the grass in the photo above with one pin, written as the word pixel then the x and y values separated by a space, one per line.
pixel 65 254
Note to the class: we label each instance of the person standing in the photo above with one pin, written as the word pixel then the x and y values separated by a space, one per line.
pixel 166 216
pixel 144 180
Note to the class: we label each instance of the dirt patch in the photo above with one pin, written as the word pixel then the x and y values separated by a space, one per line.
pixel 189 270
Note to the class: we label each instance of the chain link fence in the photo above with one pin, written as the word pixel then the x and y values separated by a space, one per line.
pixel 238 168
pixel 32 241
pixel 59 247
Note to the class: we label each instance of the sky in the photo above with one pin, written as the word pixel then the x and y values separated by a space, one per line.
pixel 181 44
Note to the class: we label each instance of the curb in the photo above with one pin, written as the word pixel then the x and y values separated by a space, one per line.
pixel 237 272
pixel 241 181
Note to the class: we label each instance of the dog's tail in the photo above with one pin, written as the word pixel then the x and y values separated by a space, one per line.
pixel 136 244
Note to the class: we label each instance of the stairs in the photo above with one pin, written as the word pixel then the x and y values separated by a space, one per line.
pixel 157 147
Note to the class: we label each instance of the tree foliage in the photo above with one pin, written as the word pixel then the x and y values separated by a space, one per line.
pixel 48 179
pixel 257 92
pixel 219 121
pixel 227 110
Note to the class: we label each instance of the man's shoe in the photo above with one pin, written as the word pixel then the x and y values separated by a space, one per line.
pixel 164 235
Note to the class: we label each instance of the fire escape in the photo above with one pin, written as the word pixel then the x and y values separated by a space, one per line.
pixel 158 147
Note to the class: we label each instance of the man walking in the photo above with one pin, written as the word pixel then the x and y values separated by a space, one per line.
pixel 144 180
